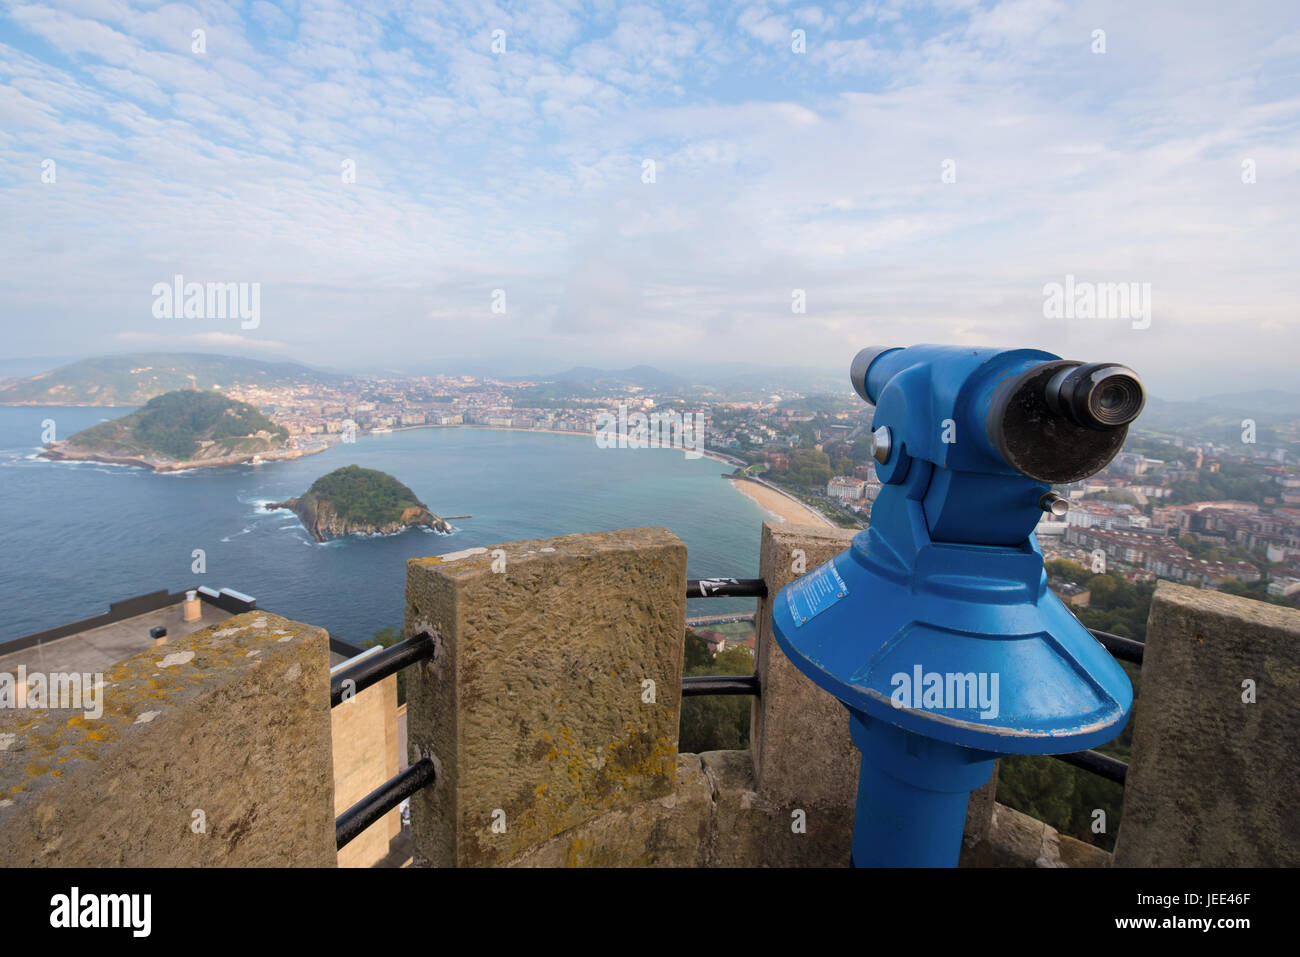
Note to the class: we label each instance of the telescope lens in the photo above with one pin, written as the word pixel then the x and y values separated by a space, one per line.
pixel 1100 395
pixel 1115 398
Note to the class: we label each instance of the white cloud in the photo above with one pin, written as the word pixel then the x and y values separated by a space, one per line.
pixel 523 171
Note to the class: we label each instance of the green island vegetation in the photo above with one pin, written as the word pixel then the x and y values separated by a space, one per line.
pixel 178 424
pixel 364 496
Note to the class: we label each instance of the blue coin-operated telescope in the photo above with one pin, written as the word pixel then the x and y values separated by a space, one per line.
pixel 936 628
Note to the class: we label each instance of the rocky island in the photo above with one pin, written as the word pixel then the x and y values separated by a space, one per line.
pixel 184 429
pixel 357 501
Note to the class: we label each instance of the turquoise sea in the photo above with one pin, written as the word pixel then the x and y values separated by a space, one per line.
pixel 76 536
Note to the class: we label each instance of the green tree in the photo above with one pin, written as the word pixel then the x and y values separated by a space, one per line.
pixel 365 496
pixel 715 722
pixel 1065 569
pixel 808 468
pixel 697 654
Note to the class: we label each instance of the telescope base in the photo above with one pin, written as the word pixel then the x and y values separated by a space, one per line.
pixel 912 795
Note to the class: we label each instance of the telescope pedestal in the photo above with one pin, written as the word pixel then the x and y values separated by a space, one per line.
pixel 912 795
pixel 945 663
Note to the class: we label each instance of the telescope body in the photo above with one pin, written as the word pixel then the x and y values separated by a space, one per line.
pixel 936 628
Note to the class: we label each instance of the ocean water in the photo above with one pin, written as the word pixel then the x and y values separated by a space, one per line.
pixel 76 536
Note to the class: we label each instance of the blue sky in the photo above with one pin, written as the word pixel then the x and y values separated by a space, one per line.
pixel 775 170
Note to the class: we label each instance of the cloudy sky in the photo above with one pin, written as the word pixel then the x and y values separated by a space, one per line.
pixel 655 182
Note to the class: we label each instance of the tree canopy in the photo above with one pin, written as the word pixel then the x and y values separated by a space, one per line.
pixel 364 496
pixel 174 423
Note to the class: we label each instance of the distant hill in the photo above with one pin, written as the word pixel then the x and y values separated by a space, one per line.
pixel 31 365
pixel 186 427
pixel 353 500
pixel 134 379
pixel 1269 407
pixel 1273 401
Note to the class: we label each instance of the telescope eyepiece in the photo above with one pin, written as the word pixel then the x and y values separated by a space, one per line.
pixel 1103 396
pixel 858 370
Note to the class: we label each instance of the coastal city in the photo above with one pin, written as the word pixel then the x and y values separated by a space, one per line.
pixel 592 435
pixel 1177 505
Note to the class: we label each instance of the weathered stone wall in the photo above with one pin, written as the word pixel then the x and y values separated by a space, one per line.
pixel 799 733
pixel 713 818
pixel 716 818
pixel 1014 839
pixel 513 711
pixel 1214 777
pixel 555 691
pixel 213 750
pixel 364 734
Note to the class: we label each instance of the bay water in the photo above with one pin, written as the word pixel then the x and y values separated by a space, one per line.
pixel 76 536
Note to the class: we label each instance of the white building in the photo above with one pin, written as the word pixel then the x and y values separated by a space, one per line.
pixel 846 488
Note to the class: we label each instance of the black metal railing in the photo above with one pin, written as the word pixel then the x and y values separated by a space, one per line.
pixel 1100 764
pixel 346 684
pixel 382 800
pixel 720 684
pixel 726 588
pixel 1103 765
pixel 375 668
pixel 1125 649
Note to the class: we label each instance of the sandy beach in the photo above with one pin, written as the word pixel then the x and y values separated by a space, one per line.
pixel 779 505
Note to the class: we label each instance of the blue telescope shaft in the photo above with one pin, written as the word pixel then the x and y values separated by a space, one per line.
pixel 912 796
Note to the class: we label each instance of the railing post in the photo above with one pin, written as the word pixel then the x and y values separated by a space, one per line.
pixel 799 734
pixel 554 692
pixel 1214 773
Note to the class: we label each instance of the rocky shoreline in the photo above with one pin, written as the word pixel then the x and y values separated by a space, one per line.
pixel 323 523
pixel 62 452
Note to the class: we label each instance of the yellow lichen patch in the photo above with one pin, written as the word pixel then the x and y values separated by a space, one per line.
pixel 579 852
